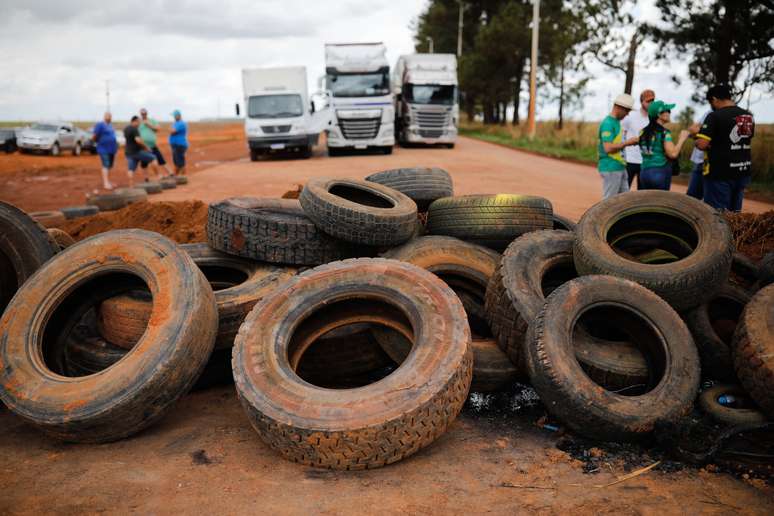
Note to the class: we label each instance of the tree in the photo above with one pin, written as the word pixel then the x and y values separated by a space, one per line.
pixel 686 116
pixel 728 41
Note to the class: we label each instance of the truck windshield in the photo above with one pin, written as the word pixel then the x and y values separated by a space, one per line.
pixel 275 106
pixel 375 84
pixel 43 127
pixel 429 94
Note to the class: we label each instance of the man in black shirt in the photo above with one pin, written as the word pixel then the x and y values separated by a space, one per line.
pixel 136 151
pixel 726 139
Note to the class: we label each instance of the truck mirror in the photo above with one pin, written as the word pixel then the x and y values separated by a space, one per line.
pixel 311 107
pixel 236 106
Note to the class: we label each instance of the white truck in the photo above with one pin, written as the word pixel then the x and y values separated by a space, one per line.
pixel 278 114
pixel 426 106
pixel 357 79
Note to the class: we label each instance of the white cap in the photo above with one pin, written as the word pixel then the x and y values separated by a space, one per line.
pixel 624 100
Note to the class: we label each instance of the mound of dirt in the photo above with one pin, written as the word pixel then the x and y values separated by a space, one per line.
pixel 753 233
pixel 184 222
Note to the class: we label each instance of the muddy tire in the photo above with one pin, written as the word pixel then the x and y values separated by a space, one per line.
pixel 563 223
pixel 574 398
pixel 374 425
pixel 422 185
pixel 615 365
pixel 489 220
pixel 73 212
pixel 63 239
pixel 133 195
pixel 466 268
pixel 766 270
pixel 150 187
pixel 745 272
pixel 140 388
pixel 753 349
pixel 168 183
pixel 25 246
pixel 687 227
pixel 359 211
pixel 48 219
pixel 238 284
pixel 729 415
pixel 107 202
pixel 272 230
pixel 88 353
pixel 712 325
pixel 181 180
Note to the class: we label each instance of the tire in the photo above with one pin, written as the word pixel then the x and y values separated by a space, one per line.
pixel 563 223
pixel 55 149
pixel 306 152
pixel 167 183
pixel 422 185
pixel 77 149
pixel 108 201
pixel 753 349
pixel 694 229
pixel 73 212
pixel 132 195
pixel 140 388
pixel 729 415
pixel 181 180
pixel 449 145
pixel 63 239
pixel 359 211
pixel 574 398
pixel 25 246
pixel 150 187
pixel 766 270
pixel 374 425
pixel 466 268
pixel 712 325
pixel 615 365
pixel 387 149
pixel 237 283
pixel 489 220
pixel 254 155
pixel 88 353
pixel 745 272
pixel 272 230
pixel 48 219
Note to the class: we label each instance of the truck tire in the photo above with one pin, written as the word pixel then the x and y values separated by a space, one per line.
pixel 254 155
pixel 712 325
pixel 150 187
pixel 272 230
pixel 237 283
pixel 698 235
pixel 306 152
pixel 48 219
pixel 374 425
pixel 73 212
pixel 55 149
pixel 387 149
pixel 489 220
pixel 168 183
pixel 25 246
pixel 745 272
pixel 132 195
pixel 728 414
pixel 466 268
pixel 87 353
pixel 63 239
pixel 181 180
pixel 107 202
pixel 359 211
pixel 141 387
pixel 422 185
pixel 766 270
pixel 563 223
pixel 574 398
pixel 77 149
pixel 753 349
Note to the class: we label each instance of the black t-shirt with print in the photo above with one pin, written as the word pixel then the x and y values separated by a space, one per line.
pixel 132 147
pixel 730 131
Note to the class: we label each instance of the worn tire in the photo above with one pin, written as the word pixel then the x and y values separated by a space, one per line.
pixel 133 195
pixel 574 398
pixel 745 272
pixel 374 425
pixel 708 401
pixel 122 320
pixel 685 283
pixel 73 212
pixel 141 387
pixel 766 270
pixel 87 353
pixel 181 180
pixel 489 220
pixel 359 211
pixel 562 223
pixel 25 246
pixel 150 187
pixel 48 219
pixel 167 183
pixel 63 239
pixel 422 185
pixel 712 325
pixel 272 230
pixel 108 201
pixel 753 349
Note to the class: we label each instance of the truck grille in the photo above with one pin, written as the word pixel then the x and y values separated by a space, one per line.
pixel 432 123
pixel 275 129
pixel 360 128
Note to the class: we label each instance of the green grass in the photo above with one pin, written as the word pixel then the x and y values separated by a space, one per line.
pixel 551 148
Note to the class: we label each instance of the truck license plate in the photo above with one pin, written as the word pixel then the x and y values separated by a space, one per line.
pixel 277 146
pixel 361 146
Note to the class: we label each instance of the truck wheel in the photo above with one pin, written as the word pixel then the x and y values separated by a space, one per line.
pixel 422 185
pixel 387 149
pixel 333 152
pixel 376 424
pixel 306 152
pixel 753 349
pixel 449 145
pixel 77 149
pixel 254 155
pixel 55 151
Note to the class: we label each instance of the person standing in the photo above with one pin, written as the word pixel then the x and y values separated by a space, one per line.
pixel 178 140
pixel 696 184
pixel 148 129
pixel 105 137
pixel 611 165
pixel 632 125
pixel 658 148
pixel 136 151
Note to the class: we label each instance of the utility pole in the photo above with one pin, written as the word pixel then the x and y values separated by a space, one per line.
pixel 107 96
pixel 533 69
pixel 459 32
pixel 430 43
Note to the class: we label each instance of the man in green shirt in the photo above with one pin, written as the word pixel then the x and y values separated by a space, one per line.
pixel 612 166
pixel 148 129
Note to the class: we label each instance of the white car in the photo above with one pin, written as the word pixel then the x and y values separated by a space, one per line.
pixel 51 137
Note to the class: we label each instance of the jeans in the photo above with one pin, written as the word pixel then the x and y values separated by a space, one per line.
pixel 144 157
pixel 696 185
pixel 614 183
pixel 107 159
pixel 656 178
pixel 159 157
pixel 178 155
pixel 725 194
pixel 632 171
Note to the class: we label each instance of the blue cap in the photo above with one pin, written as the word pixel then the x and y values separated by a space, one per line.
pixel 176 112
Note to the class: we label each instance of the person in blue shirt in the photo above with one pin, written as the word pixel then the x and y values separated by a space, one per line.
pixel 105 137
pixel 178 140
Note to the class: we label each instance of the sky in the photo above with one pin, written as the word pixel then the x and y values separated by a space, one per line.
pixel 57 58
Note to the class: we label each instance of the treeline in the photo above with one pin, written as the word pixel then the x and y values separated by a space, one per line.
pixel 722 41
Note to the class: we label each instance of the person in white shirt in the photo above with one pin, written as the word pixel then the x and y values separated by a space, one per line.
pixel 631 126
pixel 696 185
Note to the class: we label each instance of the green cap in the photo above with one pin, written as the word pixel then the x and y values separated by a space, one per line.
pixel 657 107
